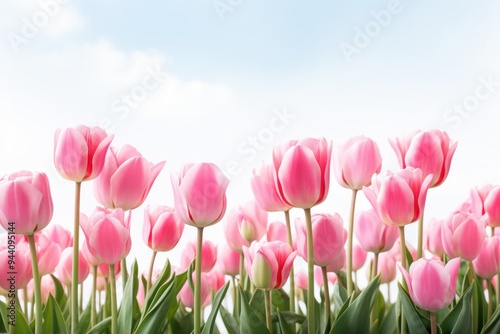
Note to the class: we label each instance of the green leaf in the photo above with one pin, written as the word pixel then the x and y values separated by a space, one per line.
pixel 339 299
pixel 53 318
pixel 389 323
pixel 493 326
pixel 209 325
pixel 3 317
pixel 101 327
pixel 257 303
pixel 60 296
pixel 280 300
pixel 284 326
pixel 355 318
pixel 84 322
pixel 459 320
pixel 129 308
pixel 21 325
pixel 416 323
pixel 250 322
pixel 231 324
pixel 160 281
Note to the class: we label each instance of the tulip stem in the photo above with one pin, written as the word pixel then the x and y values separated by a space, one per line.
pixel 25 300
pixel 403 264
pixel 474 302
pixel 375 266
pixel 292 271
pixel 92 297
pixel 269 320
pixel 36 285
pixel 80 300
pixel 12 328
pixel 197 283
pixel 433 323
pixel 420 236
pixel 114 315
pixel 76 246
pixel 497 291
pixel 311 309
pixel 150 273
pixel 490 298
pixel 350 288
pixel 327 294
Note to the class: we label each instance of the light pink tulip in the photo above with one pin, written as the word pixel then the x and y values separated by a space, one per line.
pixel 58 234
pixel 265 191
pixel 126 179
pixel 48 253
pixel 395 251
pixel 200 194
pixel 64 267
pixel 372 233
pixel 79 153
pixel 492 207
pixel 329 237
pixel 355 162
pixel 208 255
pixel 244 225
pixel 462 235
pixel 269 264
pixel 276 231
pixel 487 263
pixel 386 268
pixel 339 264
pixel 216 279
pixel 25 200
pixel 229 260
pixel 477 199
pixel 162 228
pixel 47 288
pixel 399 198
pixel 431 284
pixel 17 273
pixel 359 256
pixel 301 280
pixel 186 296
pixel 107 234
pixel 433 240
pixel 431 151
pixel 318 276
pixel 303 171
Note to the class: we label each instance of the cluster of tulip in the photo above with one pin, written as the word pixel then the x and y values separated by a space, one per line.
pixel 449 283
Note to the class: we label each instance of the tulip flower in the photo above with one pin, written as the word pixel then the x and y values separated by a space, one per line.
pixel 47 288
pixel 265 191
pixel 209 255
pixel 318 277
pixel 64 268
pixel 487 263
pixel 462 235
pixel 162 228
pixel 276 231
pixel 229 260
pixel 126 179
pixel 386 268
pixel 373 234
pixel 245 224
pixel 339 264
pixel 359 256
pixel 10 279
pixel 433 237
pixel 477 199
pixel 48 253
pixel 58 234
pixel 186 296
pixel 492 207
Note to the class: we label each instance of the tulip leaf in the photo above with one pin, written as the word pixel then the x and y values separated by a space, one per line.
pixel 284 326
pixel 84 322
pixel 53 320
pixel 280 300
pixel 3 317
pixel 101 327
pixel 493 326
pixel 257 303
pixel 355 319
pixel 231 324
pixel 160 280
pixel 417 324
pixel 60 296
pixel 389 322
pixel 209 325
pixel 459 320
pixel 21 324
pixel 129 308
pixel 250 322
pixel 339 299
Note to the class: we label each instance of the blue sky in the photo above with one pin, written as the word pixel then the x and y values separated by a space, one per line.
pixel 201 84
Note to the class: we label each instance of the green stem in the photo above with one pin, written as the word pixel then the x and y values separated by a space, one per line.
pixel 36 284
pixel 490 298
pixel 114 315
pixel 150 273
pixel 197 283
pixel 124 272
pixel 269 320
pixel 375 266
pixel 433 323
pixel 292 271
pixel 76 246
pixel 311 309
pixel 475 300
pixel 497 291
pixel 350 288
pixel 242 270
pixel 327 294
pixel 420 237
pixel 233 293
pixel 92 297
pixel 80 301
pixel 108 293
pixel 25 300
pixel 12 328
pixel 403 264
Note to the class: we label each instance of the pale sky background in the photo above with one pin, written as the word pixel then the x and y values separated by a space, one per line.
pixel 223 74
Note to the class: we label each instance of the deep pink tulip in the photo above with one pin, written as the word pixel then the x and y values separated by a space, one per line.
pixel 433 240
pixel 126 179
pixel 208 255
pixel 355 162
pixel 372 233
pixel 359 256
pixel 487 263
pixel 431 284
pixel 386 268
pixel 318 276
pixel 79 152
pixel 200 194
pixel 303 171
pixel 492 207
pixel 107 234
pixel 229 260
pixel 64 267
pixel 21 267
pixel 265 191
pixel 244 225
pixel 186 297
pixel 463 235
pixel 431 151
pixel 25 200
pixel 269 264
pixel 276 231
pixel 399 198
pixel 162 228
pixel 58 234
pixel 329 237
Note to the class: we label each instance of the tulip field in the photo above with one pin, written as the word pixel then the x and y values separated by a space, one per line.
pixel 248 280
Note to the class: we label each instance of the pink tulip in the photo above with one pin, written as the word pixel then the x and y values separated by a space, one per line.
pixel 395 251
pixel 431 151
pixel 91 259
pixel 47 288
pixel 265 191
pixel 431 284
pixel 301 280
pixel 359 256
pixel 58 234
pixel 48 253
pixel 269 264
pixel 162 228
pixel 25 201
pixel 372 233
pixel 64 268
pixel 339 263
pixel 229 260
pixel 399 198
pixel 355 162
pixel 208 255
pixel 433 237
pixel 126 179
pixel 462 235
pixel 477 199
pixel 276 231
pixel 303 171
pixel 386 268
pixel 79 153
pixel 200 194
pixel 216 279
pixel 18 273
pixel 492 207
pixel 107 235
pixel 329 238
pixel 318 276
pixel 244 225
pixel 487 263
pixel 186 294
pixel 103 270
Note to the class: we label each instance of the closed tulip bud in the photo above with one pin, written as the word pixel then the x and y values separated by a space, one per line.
pixel 64 268
pixel 162 228
pixel 487 263
pixel 265 191
pixel 208 255
pixel 58 234
pixel 433 237
pixel 359 256
pixel 276 231
pixel 245 224
pixel 229 260
pixel 492 207
pixel 463 235
pixel 372 233
pixel 386 268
